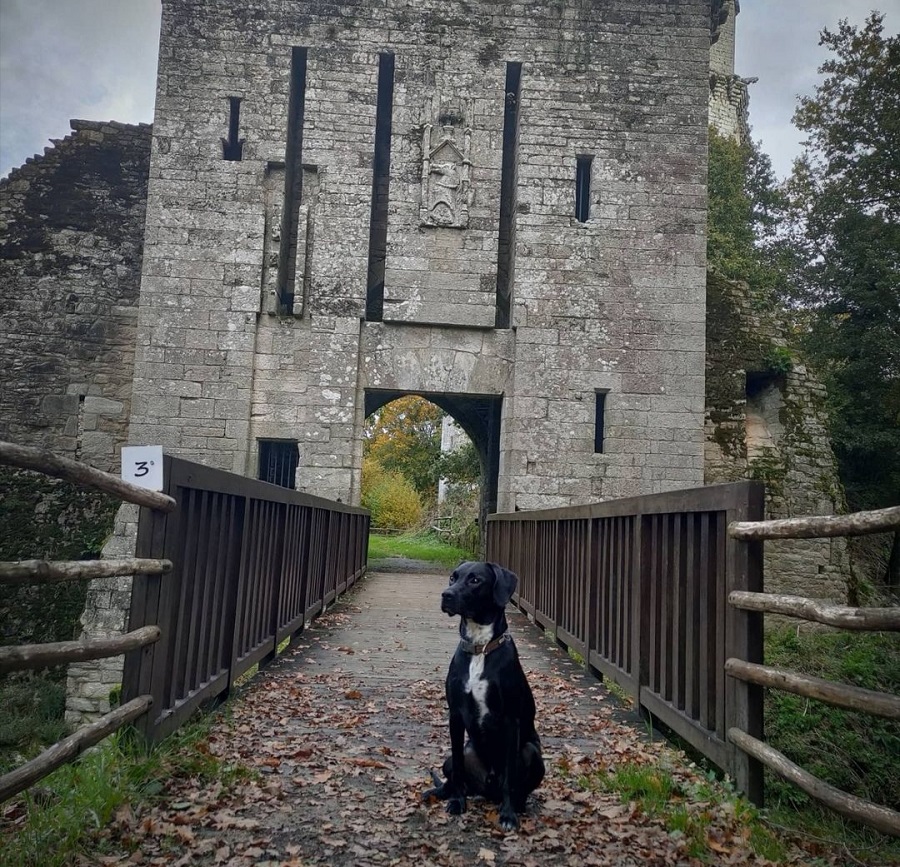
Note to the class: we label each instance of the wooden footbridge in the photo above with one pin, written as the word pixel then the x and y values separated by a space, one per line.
pixel 663 594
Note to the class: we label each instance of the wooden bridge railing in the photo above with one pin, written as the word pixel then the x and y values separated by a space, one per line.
pixel 663 594
pixel 638 587
pixel 251 563
pixel 837 694
pixel 227 568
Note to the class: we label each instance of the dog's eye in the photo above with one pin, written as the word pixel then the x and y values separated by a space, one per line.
pixel 474 579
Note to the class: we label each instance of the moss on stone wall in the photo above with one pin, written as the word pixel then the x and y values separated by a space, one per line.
pixel 766 420
pixel 47 519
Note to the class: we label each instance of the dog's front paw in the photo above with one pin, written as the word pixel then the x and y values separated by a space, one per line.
pixel 509 821
pixel 456 805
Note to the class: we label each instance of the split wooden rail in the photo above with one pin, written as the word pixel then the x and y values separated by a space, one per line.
pixel 44 572
pixel 837 694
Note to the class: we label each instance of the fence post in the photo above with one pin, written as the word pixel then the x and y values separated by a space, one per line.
pixel 592 591
pixel 640 669
pixel 237 590
pixel 153 603
pixel 137 674
pixel 563 532
pixel 744 640
pixel 278 561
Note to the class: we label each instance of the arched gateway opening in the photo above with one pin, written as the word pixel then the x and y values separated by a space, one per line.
pixel 477 415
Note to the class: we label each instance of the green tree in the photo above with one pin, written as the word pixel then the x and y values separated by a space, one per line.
pixel 462 466
pixel 846 200
pixel 853 124
pixel 746 208
pixel 405 437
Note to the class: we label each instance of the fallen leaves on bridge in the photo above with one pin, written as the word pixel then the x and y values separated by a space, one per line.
pixel 338 765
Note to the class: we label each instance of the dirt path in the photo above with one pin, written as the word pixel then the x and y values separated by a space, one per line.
pixel 341 732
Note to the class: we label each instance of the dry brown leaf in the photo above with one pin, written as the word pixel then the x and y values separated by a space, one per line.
pixel 366 763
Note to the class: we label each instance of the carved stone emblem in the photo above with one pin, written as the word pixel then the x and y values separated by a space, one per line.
pixel 446 190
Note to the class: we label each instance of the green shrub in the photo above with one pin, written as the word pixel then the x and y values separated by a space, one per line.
pixel 778 361
pixel 390 498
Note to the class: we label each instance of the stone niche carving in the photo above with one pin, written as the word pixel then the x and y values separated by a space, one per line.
pixel 446 170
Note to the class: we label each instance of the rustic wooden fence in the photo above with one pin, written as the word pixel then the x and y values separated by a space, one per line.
pixel 663 594
pixel 638 587
pixel 237 566
pixel 23 657
pixel 837 694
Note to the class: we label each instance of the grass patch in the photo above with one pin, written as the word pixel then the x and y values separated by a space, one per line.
pixel 416 546
pixel 59 818
pixel 575 656
pixel 618 691
pixel 689 810
pixel 651 787
pixel 33 707
pixel 854 751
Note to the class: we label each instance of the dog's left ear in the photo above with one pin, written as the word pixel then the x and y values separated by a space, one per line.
pixel 504 584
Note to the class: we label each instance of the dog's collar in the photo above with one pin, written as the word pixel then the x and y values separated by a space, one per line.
pixel 477 649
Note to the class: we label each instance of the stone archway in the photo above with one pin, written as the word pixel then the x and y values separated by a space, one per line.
pixel 478 415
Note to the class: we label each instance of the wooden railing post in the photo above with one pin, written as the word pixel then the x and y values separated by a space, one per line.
pixel 592 593
pixel 280 530
pixel 144 669
pixel 562 529
pixel 640 650
pixel 744 640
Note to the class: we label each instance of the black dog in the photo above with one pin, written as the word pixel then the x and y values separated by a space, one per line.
pixel 489 700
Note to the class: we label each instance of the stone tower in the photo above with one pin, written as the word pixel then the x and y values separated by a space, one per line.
pixel 729 99
pixel 499 207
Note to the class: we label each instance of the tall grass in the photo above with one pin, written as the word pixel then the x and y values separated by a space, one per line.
pixel 855 751
pixel 31 717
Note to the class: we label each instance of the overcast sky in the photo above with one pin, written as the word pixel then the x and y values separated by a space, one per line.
pixel 96 60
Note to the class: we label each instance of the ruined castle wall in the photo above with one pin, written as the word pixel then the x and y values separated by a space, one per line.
pixel 71 226
pixel 615 302
pixel 766 420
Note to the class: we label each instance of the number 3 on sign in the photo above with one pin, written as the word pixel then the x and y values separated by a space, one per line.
pixel 143 466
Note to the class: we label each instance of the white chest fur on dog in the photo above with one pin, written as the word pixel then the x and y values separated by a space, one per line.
pixel 477 685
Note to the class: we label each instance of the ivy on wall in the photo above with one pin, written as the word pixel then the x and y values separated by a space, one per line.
pixel 47 519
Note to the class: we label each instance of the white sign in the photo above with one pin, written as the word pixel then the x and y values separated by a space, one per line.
pixel 143 466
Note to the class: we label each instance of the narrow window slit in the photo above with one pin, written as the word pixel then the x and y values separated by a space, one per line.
pixel 293 182
pixel 381 181
pixel 599 420
pixel 583 188
pixel 506 239
pixel 233 147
